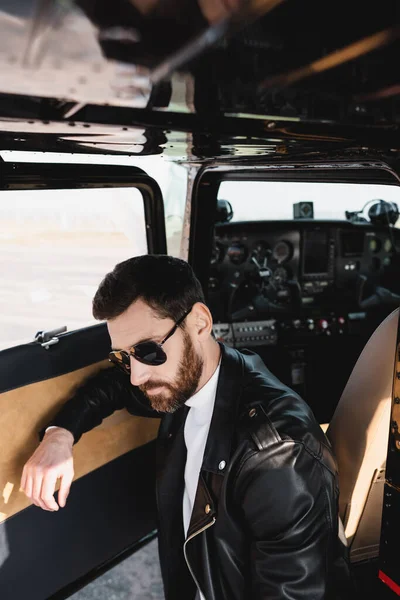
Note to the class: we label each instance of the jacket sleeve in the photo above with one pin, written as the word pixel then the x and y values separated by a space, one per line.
pixel 288 501
pixel 96 399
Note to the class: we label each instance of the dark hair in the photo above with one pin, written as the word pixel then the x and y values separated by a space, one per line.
pixel 167 284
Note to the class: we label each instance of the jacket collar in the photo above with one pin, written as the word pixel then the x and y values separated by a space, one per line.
pixel 227 399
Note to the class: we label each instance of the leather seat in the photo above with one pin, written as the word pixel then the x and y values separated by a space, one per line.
pixel 359 433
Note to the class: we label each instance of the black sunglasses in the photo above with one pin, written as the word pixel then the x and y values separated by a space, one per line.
pixel 148 353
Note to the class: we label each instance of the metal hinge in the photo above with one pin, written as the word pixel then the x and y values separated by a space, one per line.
pixel 49 338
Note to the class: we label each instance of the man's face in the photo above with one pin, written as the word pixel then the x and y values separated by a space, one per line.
pixel 167 386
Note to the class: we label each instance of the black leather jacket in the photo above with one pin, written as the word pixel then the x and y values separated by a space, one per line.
pixel 265 526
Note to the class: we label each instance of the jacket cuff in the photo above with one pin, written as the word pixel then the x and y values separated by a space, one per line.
pixel 54 423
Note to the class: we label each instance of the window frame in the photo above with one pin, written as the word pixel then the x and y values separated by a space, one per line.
pixel 37 176
pixel 209 178
pixel 31 362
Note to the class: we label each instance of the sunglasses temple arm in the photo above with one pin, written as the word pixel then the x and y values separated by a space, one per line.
pixel 175 327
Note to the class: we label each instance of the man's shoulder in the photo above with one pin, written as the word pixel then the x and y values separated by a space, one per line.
pixel 279 432
pixel 272 413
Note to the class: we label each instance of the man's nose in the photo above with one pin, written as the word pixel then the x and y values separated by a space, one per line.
pixel 140 373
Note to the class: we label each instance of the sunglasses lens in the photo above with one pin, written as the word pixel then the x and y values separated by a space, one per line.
pixel 121 360
pixel 150 353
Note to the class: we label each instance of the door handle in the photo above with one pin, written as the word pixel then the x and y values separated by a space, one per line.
pixel 49 338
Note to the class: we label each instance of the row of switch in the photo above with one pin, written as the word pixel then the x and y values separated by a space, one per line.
pixel 265 332
pixel 319 325
pixel 253 328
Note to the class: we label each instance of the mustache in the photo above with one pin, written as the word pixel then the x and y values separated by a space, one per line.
pixel 155 384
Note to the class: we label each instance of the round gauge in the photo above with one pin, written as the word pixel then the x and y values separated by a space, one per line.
pixel 216 254
pixel 260 252
pixel 374 245
pixel 280 276
pixel 387 245
pixel 282 251
pixel 237 253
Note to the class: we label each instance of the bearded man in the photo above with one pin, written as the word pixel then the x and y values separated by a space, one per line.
pixel 247 484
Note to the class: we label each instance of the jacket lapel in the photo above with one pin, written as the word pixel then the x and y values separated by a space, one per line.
pixel 195 549
pixel 216 459
pixel 171 459
pixel 223 423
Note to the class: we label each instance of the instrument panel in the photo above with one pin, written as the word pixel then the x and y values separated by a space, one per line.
pixel 262 270
pixel 303 296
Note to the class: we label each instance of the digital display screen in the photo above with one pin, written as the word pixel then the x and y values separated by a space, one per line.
pixel 316 252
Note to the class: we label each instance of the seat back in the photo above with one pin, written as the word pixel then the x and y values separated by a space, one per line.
pixel 359 432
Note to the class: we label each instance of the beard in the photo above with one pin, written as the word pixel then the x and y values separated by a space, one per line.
pixel 188 377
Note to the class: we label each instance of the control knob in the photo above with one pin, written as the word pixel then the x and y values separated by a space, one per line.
pixel 341 322
pixel 310 324
pixel 323 326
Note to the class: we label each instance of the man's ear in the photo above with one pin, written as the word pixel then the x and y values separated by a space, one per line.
pixel 202 320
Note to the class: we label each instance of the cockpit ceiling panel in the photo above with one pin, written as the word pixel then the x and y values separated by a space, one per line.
pixel 308 61
pixel 186 137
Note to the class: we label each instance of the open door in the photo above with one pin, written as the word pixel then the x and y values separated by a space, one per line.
pixel 63 226
pixel 389 571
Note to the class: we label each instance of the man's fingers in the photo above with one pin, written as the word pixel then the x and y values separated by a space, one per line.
pixel 23 479
pixel 28 488
pixel 37 490
pixel 47 491
pixel 65 486
pixel 51 460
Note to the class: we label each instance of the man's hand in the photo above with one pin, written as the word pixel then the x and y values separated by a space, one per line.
pixel 51 460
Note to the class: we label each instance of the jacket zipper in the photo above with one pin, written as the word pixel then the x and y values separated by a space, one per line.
pixel 184 549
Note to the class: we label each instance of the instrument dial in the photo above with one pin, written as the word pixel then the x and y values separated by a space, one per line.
pixel 374 245
pixel 387 245
pixel 282 251
pixel 237 253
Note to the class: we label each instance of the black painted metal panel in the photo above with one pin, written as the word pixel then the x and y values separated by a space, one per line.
pixel 30 363
pixel 107 512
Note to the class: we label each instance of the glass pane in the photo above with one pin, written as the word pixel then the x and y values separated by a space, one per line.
pixel 56 246
pixel 271 200
pixel 170 176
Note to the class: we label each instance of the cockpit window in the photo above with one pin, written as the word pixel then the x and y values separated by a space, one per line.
pixel 56 246
pixel 271 200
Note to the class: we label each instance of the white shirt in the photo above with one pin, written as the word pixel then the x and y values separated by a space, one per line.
pixel 197 425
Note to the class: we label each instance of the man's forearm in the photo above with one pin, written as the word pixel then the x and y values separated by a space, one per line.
pixel 96 399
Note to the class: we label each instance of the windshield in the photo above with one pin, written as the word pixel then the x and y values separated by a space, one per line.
pixel 271 200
